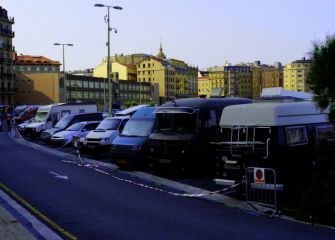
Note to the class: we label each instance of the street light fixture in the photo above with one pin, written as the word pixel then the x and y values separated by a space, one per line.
pixel 109 67
pixel 64 75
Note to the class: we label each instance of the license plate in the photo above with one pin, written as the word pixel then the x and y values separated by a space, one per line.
pixel 164 161
pixel 90 146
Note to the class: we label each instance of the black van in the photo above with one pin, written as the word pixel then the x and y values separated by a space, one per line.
pixel 183 131
pixel 279 135
pixel 69 120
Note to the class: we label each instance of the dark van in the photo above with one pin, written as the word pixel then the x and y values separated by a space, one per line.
pixel 69 120
pixel 130 147
pixel 280 136
pixel 183 132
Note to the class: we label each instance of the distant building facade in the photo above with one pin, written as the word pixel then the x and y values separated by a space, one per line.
pixel 238 81
pixel 95 89
pixel 174 77
pixel 7 84
pixel 295 75
pixel 37 80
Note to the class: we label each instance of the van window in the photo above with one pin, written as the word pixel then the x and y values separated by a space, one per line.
pixel 207 120
pixel 296 135
pixel 325 132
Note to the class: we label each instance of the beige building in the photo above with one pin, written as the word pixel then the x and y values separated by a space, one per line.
pixel 295 75
pixel 7 89
pixel 37 80
pixel 265 76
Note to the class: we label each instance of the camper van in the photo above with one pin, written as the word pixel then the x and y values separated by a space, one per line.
pixel 278 135
pixel 183 131
pixel 47 116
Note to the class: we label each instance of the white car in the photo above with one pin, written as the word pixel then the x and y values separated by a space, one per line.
pixel 77 130
pixel 103 136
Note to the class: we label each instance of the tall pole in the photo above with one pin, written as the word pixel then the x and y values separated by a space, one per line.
pixel 109 67
pixel 64 75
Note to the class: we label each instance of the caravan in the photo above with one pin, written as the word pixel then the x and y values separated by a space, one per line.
pixel 275 135
pixel 47 116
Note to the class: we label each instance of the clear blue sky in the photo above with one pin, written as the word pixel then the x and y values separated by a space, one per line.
pixel 203 33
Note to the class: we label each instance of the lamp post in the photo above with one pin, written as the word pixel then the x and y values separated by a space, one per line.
pixel 109 67
pixel 64 75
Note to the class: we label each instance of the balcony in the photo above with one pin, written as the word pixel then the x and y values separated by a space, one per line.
pixel 7 32
pixel 5 60
pixel 6 75
pixel 8 90
pixel 5 46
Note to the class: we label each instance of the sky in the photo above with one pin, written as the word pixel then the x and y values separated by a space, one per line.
pixel 203 33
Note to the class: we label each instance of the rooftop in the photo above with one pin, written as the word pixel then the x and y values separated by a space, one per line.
pixel 34 60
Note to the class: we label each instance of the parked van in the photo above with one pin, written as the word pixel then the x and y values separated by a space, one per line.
pixel 130 147
pixel 69 120
pixel 100 139
pixel 47 116
pixel 271 134
pixel 184 129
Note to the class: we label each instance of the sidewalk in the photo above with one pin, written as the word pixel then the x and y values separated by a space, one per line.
pixel 11 229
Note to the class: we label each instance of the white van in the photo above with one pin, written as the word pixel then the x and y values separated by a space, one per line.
pixel 103 136
pixel 47 116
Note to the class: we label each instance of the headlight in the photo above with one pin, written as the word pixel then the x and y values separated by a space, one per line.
pixel 183 151
pixel 105 139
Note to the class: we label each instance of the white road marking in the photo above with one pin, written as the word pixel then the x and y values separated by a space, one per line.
pixel 59 176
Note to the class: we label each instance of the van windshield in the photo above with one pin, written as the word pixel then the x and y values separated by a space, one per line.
pixel 63 123
pixel 181 123
pixel 138 128
pixel 109 124
pixel 40 116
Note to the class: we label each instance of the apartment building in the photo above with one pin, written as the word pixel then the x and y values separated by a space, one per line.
pixel 295 75
pixel 37 80
pixel 7 85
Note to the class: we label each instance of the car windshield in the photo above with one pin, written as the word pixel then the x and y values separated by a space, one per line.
pixel 75 127
pixel 109 124
pixel 40 116
pixel 63 123
pixel 138 128
pixel 180 123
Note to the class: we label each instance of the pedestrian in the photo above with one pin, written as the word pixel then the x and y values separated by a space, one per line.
pixel 8 117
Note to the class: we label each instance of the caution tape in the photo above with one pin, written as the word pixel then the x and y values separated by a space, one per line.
pixel 95 167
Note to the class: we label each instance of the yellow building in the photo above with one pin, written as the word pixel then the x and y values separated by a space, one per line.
pixel 121 71
pixel 7 89
pixel 204 88
pixel 37 80
pixel 216 77
pixel 295 75
pixel 175 78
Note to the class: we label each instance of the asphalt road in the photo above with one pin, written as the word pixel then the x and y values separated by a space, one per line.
pixel 93 205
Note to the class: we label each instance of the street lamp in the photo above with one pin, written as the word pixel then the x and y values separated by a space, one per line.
pixel 64 75
pixel 109 67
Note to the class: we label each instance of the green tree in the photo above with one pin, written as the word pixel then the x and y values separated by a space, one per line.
pixel 321 77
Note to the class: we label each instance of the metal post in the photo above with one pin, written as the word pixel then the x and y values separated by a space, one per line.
pixel 64 75
pixel 110 96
